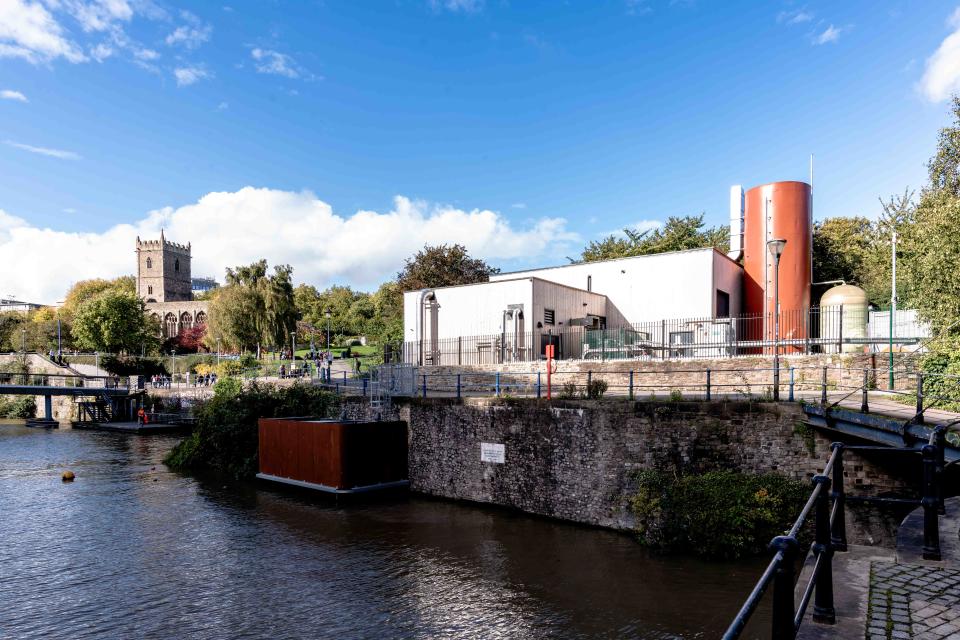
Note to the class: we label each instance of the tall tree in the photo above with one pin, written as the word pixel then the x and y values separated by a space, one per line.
pixel 442 266
pixel 114 322
pixel 944 166
pixel 253 309
pixel 677 234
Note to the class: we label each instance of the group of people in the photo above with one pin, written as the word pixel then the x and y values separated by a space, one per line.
pixel 206 379
pixel 57 358
pixel 160 382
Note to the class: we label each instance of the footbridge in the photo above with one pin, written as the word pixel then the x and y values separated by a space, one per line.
pixel 109 396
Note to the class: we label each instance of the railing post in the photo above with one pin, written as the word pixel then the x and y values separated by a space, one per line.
pixel 708 384
pixel 823 388
pixel 365 386
pixel 940 442
pixel 838 531
pixel 792 383
pixel 823 610
pixel 919 417
pixel 631 385
pixel 783 586
pixel 458 385
pixel 931 519
pixel 864 403
pixel 498 384
pixel 538 384
pixel 663 339
pixel 424 385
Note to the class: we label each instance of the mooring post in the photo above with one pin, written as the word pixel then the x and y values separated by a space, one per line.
pixel 458 385
pixel 708 384
pixel 589 380
pixel 364 386
pixel 630 391
pixel 823 389
pixel 919 417
pixel 783 586
pixel 538 384
pixel 498 384
pixel 823 610
pixel 792 383
pixel 929 502
pixel 838 532
pixel 424 385
pixel 864 403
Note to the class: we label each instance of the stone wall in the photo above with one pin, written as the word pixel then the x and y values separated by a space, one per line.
pixel 577 460
pixel 744 376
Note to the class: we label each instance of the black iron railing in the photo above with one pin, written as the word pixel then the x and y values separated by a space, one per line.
pixel 827 502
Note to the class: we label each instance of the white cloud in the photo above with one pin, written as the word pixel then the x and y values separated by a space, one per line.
pixel 97 15
pixel 30 32
pixel 519 205
pixel 797 16
pixel 186 76
pixel 941 74
pixel 189 36
pixel 225 228
pixel 223 106
pixel 10 94
pixel 146 54
pixel 44 151
pixel 101 52
pixel 830 34
pixel 466 6
pixel 275 63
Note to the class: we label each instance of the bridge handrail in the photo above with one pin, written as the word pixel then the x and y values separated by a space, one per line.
pixel 830 537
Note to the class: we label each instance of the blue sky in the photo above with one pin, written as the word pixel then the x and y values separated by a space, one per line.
pixel 522 128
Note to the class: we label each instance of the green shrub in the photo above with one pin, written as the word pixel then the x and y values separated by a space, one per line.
pixel 940 366
pixel 19 407
pixel 596 388
pixel 676 395
pixel 722 514
pixel 569 391
pixel 225 439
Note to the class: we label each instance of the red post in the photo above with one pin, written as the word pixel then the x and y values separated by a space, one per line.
pixel 549 350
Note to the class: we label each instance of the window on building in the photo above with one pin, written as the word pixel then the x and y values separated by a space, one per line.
pixel 176 265
pixel 723 304
pixel 549 316
pixel 150 289
pixel 589 283
pixel 149 263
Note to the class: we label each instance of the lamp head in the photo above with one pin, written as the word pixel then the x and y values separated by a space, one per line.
pixel 327 313
pixel 775 247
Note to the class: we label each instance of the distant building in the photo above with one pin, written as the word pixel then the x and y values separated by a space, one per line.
pixel 165 285
pixel 203 285
pixel 7 304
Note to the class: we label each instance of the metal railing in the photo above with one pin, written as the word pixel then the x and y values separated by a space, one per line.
pixel 807 331
pixel 828 501
pixel 60 380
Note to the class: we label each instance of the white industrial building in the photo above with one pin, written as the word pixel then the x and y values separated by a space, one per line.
pixel 515 315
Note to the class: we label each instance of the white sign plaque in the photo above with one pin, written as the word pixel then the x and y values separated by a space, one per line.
pixel 493 452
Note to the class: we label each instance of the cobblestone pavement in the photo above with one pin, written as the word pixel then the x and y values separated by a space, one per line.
pixel 913 601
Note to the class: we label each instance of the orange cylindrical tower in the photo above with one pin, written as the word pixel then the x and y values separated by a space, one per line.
pixel 778 210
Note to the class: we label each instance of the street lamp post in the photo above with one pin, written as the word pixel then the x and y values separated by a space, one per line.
pixel 327 314
pixel 218 352
pixel 23 341
pixel 775 246
pixel 293 348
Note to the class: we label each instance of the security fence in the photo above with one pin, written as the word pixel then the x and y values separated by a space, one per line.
pixel 832 329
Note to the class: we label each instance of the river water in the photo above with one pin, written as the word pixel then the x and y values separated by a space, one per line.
pixel 132 550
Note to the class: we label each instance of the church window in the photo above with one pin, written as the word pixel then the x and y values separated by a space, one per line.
pixel 149 289
pixel 149 263
pixel 176 265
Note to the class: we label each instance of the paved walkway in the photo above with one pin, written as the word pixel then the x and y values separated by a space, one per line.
pixel 883 594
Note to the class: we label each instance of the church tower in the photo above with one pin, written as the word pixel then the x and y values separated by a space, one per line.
pixel 163 270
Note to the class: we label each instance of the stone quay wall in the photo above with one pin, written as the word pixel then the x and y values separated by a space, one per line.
pixel 578 460
pixel 743 376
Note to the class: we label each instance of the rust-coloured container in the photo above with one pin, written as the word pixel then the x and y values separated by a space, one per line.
pixel 336 456
pixel 778 210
